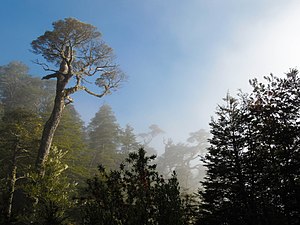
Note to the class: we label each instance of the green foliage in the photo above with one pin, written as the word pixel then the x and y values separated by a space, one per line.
pixel 80 53
pixel 21 92
pixel 51 195
pixel 134 194
pixel 128 140
pixel 109 144
pixel 22 128
pixel 70 137
pixel 83 53
pixel 19 133
pixel 103 133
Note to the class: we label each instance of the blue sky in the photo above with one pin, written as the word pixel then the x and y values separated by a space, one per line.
pixel 181 57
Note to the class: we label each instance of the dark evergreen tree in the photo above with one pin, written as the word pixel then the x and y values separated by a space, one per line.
pixel 274 107
pixel 253 160
pixel 224 198
pixel 134 194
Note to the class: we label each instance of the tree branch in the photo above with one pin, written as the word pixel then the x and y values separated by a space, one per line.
pixel 105 92
pixel 47 77
pixel 44 66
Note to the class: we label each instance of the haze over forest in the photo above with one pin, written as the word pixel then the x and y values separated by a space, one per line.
pixel 150 112
pixel 181 58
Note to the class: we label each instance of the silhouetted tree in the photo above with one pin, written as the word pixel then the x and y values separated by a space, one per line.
pixel 134 194
pixel 253 159
pixel 224 199
pixel 274 112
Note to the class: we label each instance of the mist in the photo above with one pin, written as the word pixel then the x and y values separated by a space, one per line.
pixel 187 62
pixel 155 133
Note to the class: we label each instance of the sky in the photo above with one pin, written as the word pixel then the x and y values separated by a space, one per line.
pixel 181 57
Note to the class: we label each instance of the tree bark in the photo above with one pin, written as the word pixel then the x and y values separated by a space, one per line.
pixel 52 123
pixel 11 190
pixel 12 182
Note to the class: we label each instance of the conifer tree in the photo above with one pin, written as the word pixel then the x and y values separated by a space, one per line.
pixel 253 160
pixel 103 138
pixel 224 198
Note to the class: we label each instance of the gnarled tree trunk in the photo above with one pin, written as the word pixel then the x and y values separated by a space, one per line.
pixel 52 123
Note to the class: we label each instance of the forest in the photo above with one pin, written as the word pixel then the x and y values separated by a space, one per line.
pixel 56 170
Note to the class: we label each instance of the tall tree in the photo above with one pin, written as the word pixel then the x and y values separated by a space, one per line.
pixel 20 92
pixel 275 110
pixel 80 53
pixel 224 199
pixel 104 137
pixel 24 99
pixel 253 159
pixel 127 142
pixel 183 159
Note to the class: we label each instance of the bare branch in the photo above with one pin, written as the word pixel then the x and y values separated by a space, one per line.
pixel 44 66
pixel 69 100
pixel 47 77
pixel 105 92
pixel 21 177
